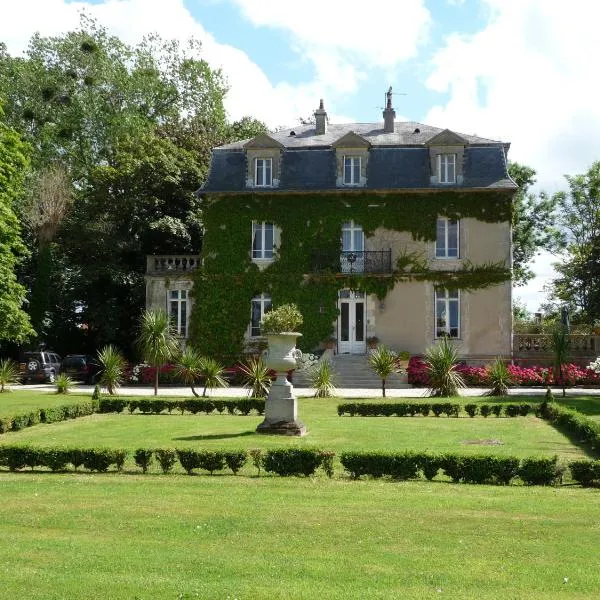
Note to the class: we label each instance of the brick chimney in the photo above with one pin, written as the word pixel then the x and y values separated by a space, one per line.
pixel 320 119
pixel 389 114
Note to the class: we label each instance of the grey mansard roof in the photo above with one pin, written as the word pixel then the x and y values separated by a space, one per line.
pixel 398 160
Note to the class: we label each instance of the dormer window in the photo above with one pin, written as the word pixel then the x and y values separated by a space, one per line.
pixel 351 170
pixel 446 168
pixel 263 172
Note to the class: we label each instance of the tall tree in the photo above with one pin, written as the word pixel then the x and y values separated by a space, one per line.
pixel 14 322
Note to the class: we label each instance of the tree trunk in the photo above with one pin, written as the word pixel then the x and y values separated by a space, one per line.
pixel 383 387
pixel 156 381
pixel 194 391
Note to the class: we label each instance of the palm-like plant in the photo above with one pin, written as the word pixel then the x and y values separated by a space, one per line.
pixel 9 373
pixel 441 361
pixel 561 346
pixel 213 374
pixel 113 368
pixel 256 377
pixel 156 340
pixel 63 383
pixel 498 378
pixel 322 378
pixel 189 368
pixel 383 363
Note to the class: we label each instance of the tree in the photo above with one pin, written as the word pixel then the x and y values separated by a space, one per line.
pixel 534 226
pixel 189 368
pixel 14 322
pixel 383 362
pixel 156 341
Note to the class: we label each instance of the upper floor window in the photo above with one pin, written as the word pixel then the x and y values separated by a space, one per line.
pixel 446 168
pixel 353 244
pixel 351 170
pixel 447 313
pixel 178 311
pixel 260 305
pixel 446 244
pixel 262 240
pixel 263 172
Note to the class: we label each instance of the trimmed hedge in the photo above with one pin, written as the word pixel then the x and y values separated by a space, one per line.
pixel 408 409
pixel 578 426
pixel 194 406
pixel 499 470
pixel 586 472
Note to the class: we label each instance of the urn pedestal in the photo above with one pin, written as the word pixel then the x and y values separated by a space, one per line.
pixel 281 407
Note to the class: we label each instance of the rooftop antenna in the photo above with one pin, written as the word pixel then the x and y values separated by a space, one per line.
pixel 387 98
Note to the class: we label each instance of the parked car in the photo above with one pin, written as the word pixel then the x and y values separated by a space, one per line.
pixel 42 366
pixel 81 367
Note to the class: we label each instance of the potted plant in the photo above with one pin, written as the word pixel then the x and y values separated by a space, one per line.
pixel 403 358
pixel 372 342
pixel 330 343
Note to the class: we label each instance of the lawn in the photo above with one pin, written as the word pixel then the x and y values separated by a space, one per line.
pixel 22 401
pixel 179 537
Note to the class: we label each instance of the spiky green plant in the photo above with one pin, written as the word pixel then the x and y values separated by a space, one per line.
pixel 383 363
pixel 441 361
pixel 213 374
pixel 498 378
pixel 113 368
pixel 156 341
pixel 257 378
pixel 63 383
pixel 9 373
pixel 561 348
pixel 188 368
pixel 322 378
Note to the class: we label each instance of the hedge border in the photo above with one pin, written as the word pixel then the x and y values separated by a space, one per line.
pixel 412 409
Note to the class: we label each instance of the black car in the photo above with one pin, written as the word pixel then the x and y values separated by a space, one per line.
pixel 42 366
pixel 81 367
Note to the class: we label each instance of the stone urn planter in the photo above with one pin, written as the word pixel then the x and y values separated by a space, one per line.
pixel 281 407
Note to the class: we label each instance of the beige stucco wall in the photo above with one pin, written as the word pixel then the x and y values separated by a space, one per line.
pixel 157 287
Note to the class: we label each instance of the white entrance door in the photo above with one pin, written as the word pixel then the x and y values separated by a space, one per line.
pixel 351 325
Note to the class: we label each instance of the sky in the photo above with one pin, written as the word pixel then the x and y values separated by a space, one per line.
pixel 520 71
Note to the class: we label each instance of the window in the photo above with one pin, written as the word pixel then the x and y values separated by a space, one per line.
pixel 262 240
pixel 351 170
pixel 446 168
pixel 447 313
pixel 263 172
pixel 178 311
pixel 260 305
pixel 353 244
pixel 446 244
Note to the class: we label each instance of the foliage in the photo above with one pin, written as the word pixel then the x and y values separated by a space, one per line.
pixel 156 340
pixel 228 279
pixel 441 361
pixel 540 471
pixel 561 348
pixel 586 472
pixel 212 371
pixel 192 406
pixel 398 409
pixel 113 368
pixel 257 378
pixel 498 378
pixel 283 319
pixel 63 383
pixel 293 461
pixel 322 378
pixel 143 458
pixel 166 458
pixel 9 373
pixel 257 458
pixel 383 363
pixel 189 367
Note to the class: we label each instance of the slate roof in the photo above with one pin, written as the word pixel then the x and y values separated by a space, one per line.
pixel 398 160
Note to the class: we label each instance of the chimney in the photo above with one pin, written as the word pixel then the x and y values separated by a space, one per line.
pixel 320 119
pixel 389 114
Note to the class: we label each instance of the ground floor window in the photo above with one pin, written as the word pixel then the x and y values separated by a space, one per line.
pixel 260 305
pixel 447 313
pixel 178 311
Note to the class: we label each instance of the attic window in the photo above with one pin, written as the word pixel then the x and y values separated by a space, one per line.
pixel 417 130
pixel 292 133
pixel 447 168
pixel 263 172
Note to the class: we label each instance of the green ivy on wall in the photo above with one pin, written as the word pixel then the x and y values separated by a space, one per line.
pixel 228 279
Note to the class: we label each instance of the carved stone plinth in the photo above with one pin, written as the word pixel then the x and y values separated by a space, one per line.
pixel 281 411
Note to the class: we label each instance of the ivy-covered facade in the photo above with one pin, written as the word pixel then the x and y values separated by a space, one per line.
pixel 392 230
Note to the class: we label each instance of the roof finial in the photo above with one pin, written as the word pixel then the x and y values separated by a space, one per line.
pixel 389 98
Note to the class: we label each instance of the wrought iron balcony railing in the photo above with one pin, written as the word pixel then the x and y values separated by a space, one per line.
pixel 366 261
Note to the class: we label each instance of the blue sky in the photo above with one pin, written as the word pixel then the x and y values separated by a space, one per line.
pixel 522 71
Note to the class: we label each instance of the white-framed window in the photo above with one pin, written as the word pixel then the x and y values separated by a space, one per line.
pixel 352 259
pixel 178 311
pixel 351 170
pixel 446 168
pixel 263 172
pixel 260 305
pixel 262 240
pixel 446 241
pixel 447 313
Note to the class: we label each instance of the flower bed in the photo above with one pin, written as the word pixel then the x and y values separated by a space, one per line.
pixel 525 376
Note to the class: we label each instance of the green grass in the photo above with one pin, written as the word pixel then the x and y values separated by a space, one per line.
pixel 525 436
pixel 22 401
pixel 180 537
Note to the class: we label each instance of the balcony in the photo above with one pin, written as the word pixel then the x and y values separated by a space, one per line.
pixel 366 261
pixel 175 264
pixel 538 347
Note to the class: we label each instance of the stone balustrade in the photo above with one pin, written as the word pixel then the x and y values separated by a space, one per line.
pixel 529 345
pixel 169 263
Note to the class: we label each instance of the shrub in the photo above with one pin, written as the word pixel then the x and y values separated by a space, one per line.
pixel 109 405
pixel 404 465
pixel 437 409
pixel 327 458
pixel 189 368
pixel 236 459
pixel 20 422
pixel 283 319
pixel 373 464
pixel 451 410
pixel 211 461
pixel 53 415
pixel 97 393
pixel 33 418
pixel 292 461
pixel 577 425
pixel 586 472
pixel 166 458
pixel 441 362
pixel 9 373
pixel 485 410
pixel 76 456
pixel 322 378
pixel 17 457
pixel 98 459
pixel 383 363
pixel 63 383
pixel 540 471
pixel 5 424
pixel 471 409
pixel 257 458
pixel 119 458
pixel 499 378
pixel 497 409
pixel 55 459
pixel 143 458
pixel 430 465
pixel 212 371
pixel 189 460
pixel 512 410
pixel 256 377
pixel 113 368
